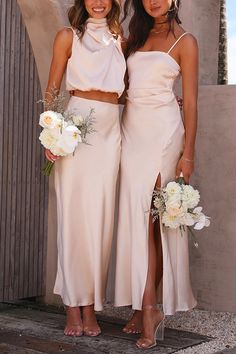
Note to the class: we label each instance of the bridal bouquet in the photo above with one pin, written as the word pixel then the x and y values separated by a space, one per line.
pixel 177 205
pixel 62 130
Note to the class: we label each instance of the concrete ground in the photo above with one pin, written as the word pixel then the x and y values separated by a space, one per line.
pixel 30 328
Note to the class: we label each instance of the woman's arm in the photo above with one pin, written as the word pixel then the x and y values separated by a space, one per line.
pixel 61 54
pixel 189 70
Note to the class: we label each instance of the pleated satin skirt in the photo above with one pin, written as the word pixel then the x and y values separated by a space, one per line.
pixel 152 142
pixel 85 187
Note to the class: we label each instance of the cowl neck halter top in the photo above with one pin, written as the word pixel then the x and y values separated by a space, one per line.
pixel 97 61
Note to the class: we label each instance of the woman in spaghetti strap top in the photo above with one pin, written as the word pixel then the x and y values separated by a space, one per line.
pixel 153 261
pixel 90 54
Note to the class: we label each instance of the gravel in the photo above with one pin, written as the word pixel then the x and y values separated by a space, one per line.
pixel 219 325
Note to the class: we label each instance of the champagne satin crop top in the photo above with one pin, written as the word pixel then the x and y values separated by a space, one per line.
pixel 97 61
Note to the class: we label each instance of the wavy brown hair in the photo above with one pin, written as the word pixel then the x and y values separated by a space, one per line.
pixel 141 23
pixel 78 16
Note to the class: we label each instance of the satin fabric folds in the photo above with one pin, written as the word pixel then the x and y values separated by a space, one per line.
pixel 85 186
pixel 152 142
pixel 85 182
pixel 97 61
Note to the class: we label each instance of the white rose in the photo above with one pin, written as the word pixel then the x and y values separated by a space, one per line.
pixel 48 138
pixel 175 210
pixel 173 189
pixel 170 221
pixel 50 119
pixel 78 120
pixel 190 196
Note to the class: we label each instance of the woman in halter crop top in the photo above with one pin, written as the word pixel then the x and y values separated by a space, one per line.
pixel 156 147
pixel 90 55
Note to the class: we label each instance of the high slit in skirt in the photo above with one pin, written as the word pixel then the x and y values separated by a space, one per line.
pixel 85 188
pixel 152 142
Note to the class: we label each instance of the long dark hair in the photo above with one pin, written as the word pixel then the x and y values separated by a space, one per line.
pixel 141 23
pixel 78 16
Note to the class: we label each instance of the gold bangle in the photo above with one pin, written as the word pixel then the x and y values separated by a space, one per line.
pixel 187 160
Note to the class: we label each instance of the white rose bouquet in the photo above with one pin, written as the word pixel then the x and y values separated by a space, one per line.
pixel 62 130
pixel 177 206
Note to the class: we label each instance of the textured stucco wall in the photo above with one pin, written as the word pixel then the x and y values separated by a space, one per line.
pixel 213 265
pixel 43 19
pixel 202 18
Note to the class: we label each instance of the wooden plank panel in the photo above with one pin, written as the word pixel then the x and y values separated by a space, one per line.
pixel 17 153
pixel 5 118
pixel 23 189
pixel 2 80
pixel 21 171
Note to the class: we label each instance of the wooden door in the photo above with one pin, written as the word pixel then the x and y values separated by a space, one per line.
pixel 23 189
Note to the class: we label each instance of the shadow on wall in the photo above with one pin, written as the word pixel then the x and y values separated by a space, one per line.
pixel 43 19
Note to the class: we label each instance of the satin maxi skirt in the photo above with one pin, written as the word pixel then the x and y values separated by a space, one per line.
pixel 85 187
pixel 152 142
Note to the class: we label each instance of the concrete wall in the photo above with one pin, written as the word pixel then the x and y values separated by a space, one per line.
pixel 213 265
pixel 43 19
pixel 202 18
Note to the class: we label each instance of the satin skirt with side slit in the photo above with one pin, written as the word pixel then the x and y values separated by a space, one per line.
pixel 152 142
pixel 85 187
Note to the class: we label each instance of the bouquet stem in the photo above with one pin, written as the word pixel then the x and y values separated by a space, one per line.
pixel 193 237
pixel 47 169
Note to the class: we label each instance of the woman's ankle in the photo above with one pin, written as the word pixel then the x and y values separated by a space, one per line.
pixel 88 309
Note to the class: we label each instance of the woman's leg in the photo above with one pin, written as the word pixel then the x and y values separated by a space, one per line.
pixel 90 325
pixel 74 325
pixel 151 316
pixel 154 275
pixel 134 325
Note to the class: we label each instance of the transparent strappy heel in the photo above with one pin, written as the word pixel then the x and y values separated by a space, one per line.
pixel 134 325
pixel 159 329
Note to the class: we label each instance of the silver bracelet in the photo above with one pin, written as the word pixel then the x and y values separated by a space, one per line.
pixel 187 160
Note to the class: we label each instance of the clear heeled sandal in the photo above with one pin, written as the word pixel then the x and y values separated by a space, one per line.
pixel 159 329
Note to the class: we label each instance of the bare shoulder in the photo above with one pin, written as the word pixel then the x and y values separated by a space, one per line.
pixel 64 37
pixel 63 41
pixel 189 42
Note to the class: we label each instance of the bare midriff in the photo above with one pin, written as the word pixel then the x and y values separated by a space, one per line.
pixel 109 97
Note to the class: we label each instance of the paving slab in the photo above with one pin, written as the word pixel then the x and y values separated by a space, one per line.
pixel 28 329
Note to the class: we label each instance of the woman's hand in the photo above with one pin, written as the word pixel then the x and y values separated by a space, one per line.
pixel 49 156
pixel 186 166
